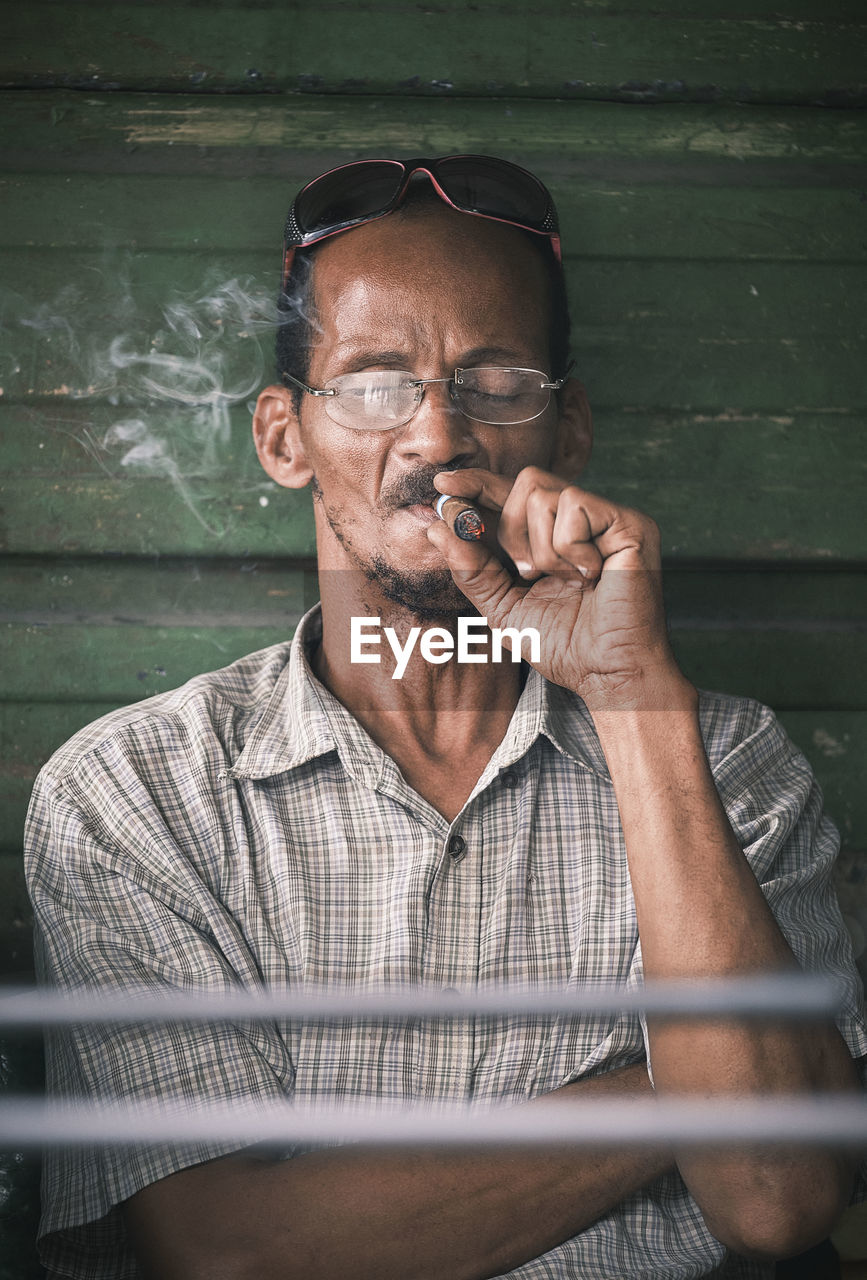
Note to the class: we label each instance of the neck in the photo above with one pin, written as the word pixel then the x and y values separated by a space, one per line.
pixel 424 714
pixel 398 667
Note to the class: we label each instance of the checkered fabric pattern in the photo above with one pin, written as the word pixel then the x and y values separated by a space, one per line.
pixel 245 830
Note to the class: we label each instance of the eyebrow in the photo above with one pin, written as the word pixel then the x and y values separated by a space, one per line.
pixel 364 359
pixel 506 355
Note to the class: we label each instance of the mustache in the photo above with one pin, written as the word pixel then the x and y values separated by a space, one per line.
pixel 414 486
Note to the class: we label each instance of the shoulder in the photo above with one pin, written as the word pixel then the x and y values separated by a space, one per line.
pixel 743 725
pixel 738 733
pixel 747 746
pixel 142 793
pixel 209 715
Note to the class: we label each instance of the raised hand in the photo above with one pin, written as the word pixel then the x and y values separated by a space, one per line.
pixel 590 582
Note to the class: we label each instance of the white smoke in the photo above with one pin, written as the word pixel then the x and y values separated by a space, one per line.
pixel 174 379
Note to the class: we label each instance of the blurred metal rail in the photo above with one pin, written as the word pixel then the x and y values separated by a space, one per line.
pixel 32 1122
pixel 837 1120
pixel 792 996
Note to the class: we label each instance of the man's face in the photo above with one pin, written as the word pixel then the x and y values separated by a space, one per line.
pixel 426 293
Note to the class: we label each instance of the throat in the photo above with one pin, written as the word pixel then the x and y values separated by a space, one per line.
pixel 444 771
pixel 439 724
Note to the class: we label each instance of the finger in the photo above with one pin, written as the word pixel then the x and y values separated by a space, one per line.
pixel 476 483
pixel 541 517
pixel 617 531
pixel 477 572
pixel 571 537
pixel 527 522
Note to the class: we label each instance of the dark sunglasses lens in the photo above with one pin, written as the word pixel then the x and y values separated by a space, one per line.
pixel 491 186
pixel 355 191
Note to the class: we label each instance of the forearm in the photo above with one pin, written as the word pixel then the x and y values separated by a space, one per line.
pixel 701 913
pixel 375 1214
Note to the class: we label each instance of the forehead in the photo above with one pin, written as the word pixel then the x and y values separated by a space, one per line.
pixel 435 275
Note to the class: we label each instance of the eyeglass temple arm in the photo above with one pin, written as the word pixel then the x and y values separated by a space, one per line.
pixel 311 391
pixel 555 386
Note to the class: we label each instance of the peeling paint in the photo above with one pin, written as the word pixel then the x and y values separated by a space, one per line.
pixel 265 123
pixel 829 746
pixel 736 415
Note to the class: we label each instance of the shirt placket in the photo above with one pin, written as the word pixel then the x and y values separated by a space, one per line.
pixel 451 960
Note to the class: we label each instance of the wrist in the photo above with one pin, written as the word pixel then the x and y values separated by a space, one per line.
pixel 653 746
pixel 652 689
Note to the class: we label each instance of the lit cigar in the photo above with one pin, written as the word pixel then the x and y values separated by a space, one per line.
pixel 460 516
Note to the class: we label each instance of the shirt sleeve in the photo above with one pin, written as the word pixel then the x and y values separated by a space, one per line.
pixel 114 916
pixel 775 807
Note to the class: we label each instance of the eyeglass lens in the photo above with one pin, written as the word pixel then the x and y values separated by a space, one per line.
pixel 332 199
pixel 382 399
pixel 479 182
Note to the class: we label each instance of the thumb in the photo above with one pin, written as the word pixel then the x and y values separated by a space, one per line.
pixel 478 573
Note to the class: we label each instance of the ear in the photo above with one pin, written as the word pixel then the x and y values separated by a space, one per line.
pixel 276 431
pixel 574 438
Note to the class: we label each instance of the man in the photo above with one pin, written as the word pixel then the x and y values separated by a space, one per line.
pixel 307 817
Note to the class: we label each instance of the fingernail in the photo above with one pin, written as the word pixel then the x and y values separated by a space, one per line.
pixel 524 568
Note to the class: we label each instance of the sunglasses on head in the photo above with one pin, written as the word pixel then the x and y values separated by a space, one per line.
pixel 368 189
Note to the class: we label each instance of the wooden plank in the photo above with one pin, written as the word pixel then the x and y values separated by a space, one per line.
pixel 53 294
pixel 738 484
pixel 296 138
pixel 548 50
pixel 127 661
pixel 835 742
pixel 724 483
pixel 599 218
pixel 79 630
pixel 16 916
pixel 706 336
pixel 268 591
pixel 120 663
pixel 776 666
pixel 245 592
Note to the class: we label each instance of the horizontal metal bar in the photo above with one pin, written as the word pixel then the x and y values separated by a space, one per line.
pixel 832 1120
pixel 794 996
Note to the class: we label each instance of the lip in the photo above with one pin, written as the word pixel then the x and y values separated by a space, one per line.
pixel 421 511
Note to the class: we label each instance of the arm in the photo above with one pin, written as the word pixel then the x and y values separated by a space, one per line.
pixel 596 600
pixel 383 1215
pixel 701 913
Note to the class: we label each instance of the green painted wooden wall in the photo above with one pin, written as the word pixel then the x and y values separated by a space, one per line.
pixel 708 160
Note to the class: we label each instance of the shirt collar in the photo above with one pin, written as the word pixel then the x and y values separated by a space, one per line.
pixel 293 726
pixel 302 720
pixel 569 725
pixel 560 716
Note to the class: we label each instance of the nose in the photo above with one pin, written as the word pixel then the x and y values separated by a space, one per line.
pixel 438 433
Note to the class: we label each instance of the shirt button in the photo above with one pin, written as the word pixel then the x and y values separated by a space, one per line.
pixel 510 779
pixel 457 844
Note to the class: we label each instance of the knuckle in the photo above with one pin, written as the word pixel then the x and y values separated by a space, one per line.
pixel 651 535
pixel 547 560
pixel 538 502
pixel 564 545
pixel 644 526
pixel 532 478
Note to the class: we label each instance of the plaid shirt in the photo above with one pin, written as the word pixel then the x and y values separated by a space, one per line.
pixel 244 829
